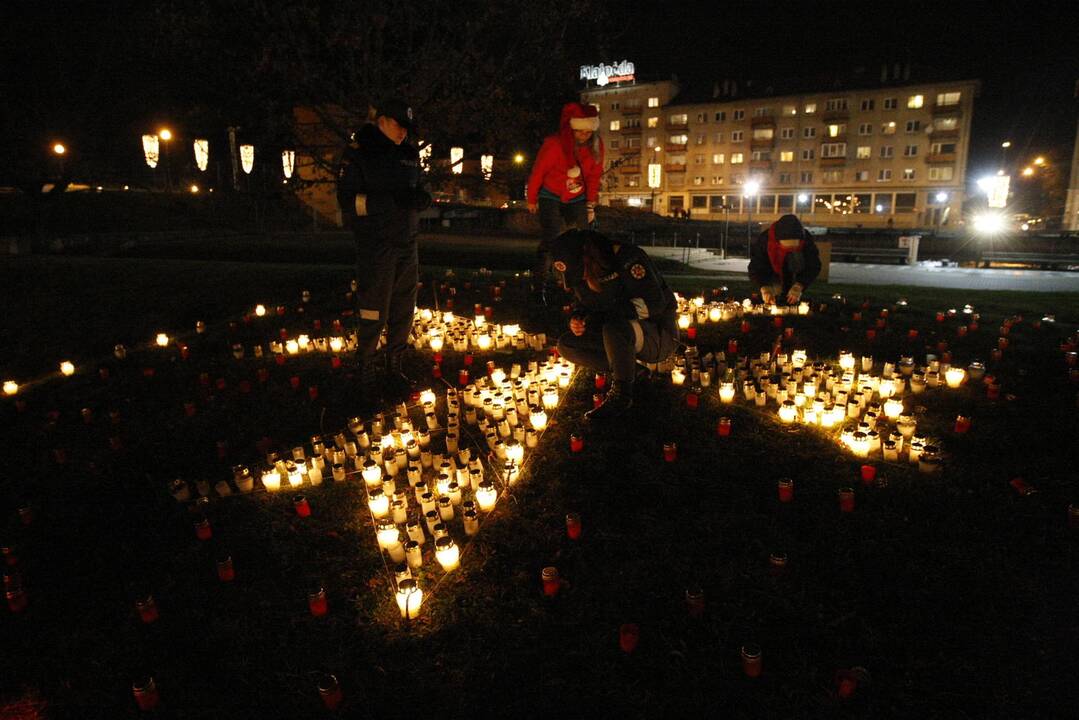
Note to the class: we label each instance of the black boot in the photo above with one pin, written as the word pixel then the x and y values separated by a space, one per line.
pixel 397 380
pixel 372 377
pixel 619 400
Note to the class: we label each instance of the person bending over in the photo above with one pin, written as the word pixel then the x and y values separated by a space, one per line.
pixel 784 261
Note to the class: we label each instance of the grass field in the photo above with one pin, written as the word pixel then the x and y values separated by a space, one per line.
pixel 955 592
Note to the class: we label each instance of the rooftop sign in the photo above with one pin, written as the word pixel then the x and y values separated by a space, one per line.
pixel 615 72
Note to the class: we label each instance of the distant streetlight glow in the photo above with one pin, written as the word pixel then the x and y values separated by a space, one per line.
pixel 59 148
pixel 803 198
pixel 519 158
pixel 165 134
pixel 942 197
pixel 1028 171
pixel 751 188
pixel 1006 144
pixel 1039 160
pixel 194 189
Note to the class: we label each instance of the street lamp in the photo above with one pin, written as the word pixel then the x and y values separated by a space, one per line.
pixel 518 159
pixel 1039 160
pixel 750 190
pixel 165 134
pixel 58 149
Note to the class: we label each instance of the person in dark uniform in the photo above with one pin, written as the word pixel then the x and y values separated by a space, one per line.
pixel 784 261
pixel 624 311
pixel 378 189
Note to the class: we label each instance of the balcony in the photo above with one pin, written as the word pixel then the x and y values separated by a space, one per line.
pixel 840 138
pixel 833 161
pixel 835 116
pixel 631 110
pixel 675 167
pixel 943 134
pixel 630 169
pixel 765 165
pixel 676 147
pixel 678 125
pixel 762 121
pixel 631 130
pixel 943 110
pixel 941 158
pixel 762 143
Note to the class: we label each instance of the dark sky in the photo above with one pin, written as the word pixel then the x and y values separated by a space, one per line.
pixel 1025 53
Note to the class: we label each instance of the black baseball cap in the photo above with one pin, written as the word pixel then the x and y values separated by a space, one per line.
pixel 400 111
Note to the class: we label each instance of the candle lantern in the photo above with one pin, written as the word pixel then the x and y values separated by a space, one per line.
pixel 785 487
pixel 225 570
pixel 409 598
pixel 869 473
pixel 695 602
pixel 576 443
pixel 413 554
pixel 486 496
pixel 955 376
pixel 378 503
pixel 629 635
pixel 573 526
pixel 317 603
pixel 147 609
pixel 145 693
pixel 670 452
pixel 723 427
pixel 846 500
pixel 551 581
pixel 726 392
pixel 447 553
pixel 751 660
pixel 203 531
pixel 330 691
pixel 962 423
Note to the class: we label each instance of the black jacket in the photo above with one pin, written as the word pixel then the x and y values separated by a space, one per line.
pixel 803 267
pixel 634 290
pixel 389 176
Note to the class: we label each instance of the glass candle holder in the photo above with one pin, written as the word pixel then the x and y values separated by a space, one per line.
pixel 303 508
pixel 695 602
pixel 203 530
pixel 225 570
pixel 146 607
pixel 846 500
pixel 670 452
pixel 447 553
pixel 330 691
pixel 777 563
pixel 317 603
pixel 629 635
pixel 723 427
pixel 573 526
pixel 552 583
pixel 145 693
pixel 752 664
pixel 962 423
pixel 869 474
pixel 785 488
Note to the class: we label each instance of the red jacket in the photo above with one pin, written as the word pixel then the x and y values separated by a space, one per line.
pixel 560 153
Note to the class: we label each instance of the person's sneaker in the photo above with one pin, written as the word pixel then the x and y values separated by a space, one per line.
pixel 618 401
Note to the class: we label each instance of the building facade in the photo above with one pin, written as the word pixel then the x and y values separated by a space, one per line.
pixel 1071 203
pixel 892 156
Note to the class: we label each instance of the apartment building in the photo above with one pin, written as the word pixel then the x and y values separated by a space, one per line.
pixel 889 156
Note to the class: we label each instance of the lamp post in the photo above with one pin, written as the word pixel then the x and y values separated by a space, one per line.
pixel 750 190
pixel 58 150
pixel 941 198
pixel 165 134
pixel 1004 153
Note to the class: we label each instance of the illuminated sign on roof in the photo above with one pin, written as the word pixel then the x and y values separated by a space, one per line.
pixel 615 72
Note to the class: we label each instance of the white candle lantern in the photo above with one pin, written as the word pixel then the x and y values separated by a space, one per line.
pixel 955 377
pixel 10 387
pixel 788 412
pixel 726 392
pixel 247 158
pixel 409 598
pixel 538 418
pixel 846 361
pixel 893 408
pixel 372 474
pixel 447 553
pixel 486 496
pixel 67 368
pixel 378 503
pixel 387 533
pixel 271 480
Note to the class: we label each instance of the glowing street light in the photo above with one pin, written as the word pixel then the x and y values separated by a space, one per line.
pixel 165 134
pixel 988 223
pixel 1006 144
pixel 194 189
pixel 1028 171
pixel 1039 160
pixel 942 197
pixel 518 159
pixel 59 149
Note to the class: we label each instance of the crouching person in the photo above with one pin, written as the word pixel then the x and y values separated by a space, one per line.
pixel 624 311
pixel 784 261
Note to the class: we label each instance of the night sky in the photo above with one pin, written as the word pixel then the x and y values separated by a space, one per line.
pixel 1025 54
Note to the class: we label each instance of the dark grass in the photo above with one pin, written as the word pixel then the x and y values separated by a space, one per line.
pixel 957 594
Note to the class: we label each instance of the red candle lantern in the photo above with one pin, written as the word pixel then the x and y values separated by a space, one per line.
pixel 294 382
pixel 973 325
pixel 870 334
pixel 670 451
pixel 962 423
pixel 732 346
pixel 788 332
pixel 778 321
pixel 961 330
pixel 468 359
pixel 551 581
pixel 11 558
pixel 317 324
pixel 940 316
pixel 597 400
pixel 436 371
pixel 846 500
pixel 335 362
pixel 462 377
pixel 723 427
pixel 145 692
pixel 316 602
pixel 692 400
pixel 189 408
pixel 573 526
pixel 576 443
pixel 869 474
pixel 279 359
pixel 992 391
pixel 203 531
pixel 303 508
pixel 628 637
pixel 752 664
pixel 438 358
pixel 881 323
pixel 225 570
pixel 330 691
pixel 1002 343
pixel 777 563
pixel 312 392
pixel 745 327
pixel 691 332
pixel 786 490
pixel 695 602
pixel 912 334
pixel 147 609
pixel 283 334
pixel 601 381
pixel 856 316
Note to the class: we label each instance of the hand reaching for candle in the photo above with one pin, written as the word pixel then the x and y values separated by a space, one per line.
pixel 767 295
pixel 576 326
pixel 794 294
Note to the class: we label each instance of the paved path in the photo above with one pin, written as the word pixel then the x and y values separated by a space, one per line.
pixel 924 276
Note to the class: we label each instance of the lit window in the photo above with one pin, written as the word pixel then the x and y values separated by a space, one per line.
pixel 947 98
pixel 941 173
pixel 888 128
pixel 837 130
pixel 915 101
pixel 678 139
pixel 718 159
pixel 790 110
pixel 908 173
pixel 763 133
pixel 810 108
pixel 737 158
pixel 698 180
pixel 653 102
pixel 864 152
pixel 650 141
pixel 679 119
pixel 945 123
pixel 616 125
pixel 786 156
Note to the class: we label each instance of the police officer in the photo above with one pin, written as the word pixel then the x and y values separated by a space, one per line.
pixel 379 195
pixel 624 311
pixel 783 261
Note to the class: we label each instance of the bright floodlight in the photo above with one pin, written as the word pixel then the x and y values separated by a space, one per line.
pixel 751 188
pixel 988 223
pixel 165 134
pixel 1039 160
pixel 942 197
pixel 59 148
pixel 1006 144
pixel 803 198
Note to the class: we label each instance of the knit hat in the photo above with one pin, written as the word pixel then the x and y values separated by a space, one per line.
pixel 788 227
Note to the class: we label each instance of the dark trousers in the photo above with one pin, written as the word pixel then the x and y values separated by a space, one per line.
pixel 555 217
pixel 386 276
pixel 615 345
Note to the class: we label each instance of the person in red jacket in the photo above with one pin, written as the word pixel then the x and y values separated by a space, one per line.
pixel 564 184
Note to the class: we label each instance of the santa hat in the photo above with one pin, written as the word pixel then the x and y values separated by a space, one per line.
pixel 577 116
pixel 587 122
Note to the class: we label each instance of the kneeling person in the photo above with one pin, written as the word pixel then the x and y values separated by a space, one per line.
pixel 624 311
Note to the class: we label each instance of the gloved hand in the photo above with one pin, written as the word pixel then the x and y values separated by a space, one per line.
pixel 795 293
pixel 767 296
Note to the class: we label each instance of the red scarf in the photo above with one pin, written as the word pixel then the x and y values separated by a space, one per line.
pixel 777 254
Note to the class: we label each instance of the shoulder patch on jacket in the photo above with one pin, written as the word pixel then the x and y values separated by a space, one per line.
pixel 637 271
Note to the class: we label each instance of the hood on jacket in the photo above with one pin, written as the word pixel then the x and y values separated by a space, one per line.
pixel 577 116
